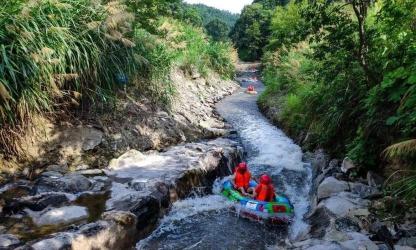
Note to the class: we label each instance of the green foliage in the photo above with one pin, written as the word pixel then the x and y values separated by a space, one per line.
pixel 60 50
pixel 209 14
pixel 286 25
pixel 358 101
pixel 54 55
pixel 218 30
pixel 251 32
pixel 193 50
pixel 271 4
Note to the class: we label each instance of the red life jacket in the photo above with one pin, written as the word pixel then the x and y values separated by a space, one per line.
pixel 242 179
pixel 265 192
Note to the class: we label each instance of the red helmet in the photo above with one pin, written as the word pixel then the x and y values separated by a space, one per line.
pixel 242 167
pixel 265 179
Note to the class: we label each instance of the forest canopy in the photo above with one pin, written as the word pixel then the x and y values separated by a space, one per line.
pixel 341 73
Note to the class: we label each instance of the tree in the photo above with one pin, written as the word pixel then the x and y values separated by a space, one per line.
pixel 251 32
pixel 218 30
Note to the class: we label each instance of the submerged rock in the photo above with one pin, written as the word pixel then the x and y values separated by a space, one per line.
pixel 59 216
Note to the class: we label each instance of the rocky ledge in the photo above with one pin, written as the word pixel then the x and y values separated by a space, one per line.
pixel 110 208
pixel 342 214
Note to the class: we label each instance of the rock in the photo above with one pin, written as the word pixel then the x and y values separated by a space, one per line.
pixel 331 186
pixel 128 158
pixel 333 164
pixel 318 159
pixel 72 183
pixel 58 168
pixel 82 167
pixel 366 192
pixel 117 230
pixel 359 212
pixel 334 235
pixel 347 224
pixel 121 218
pixel 8 241
pixel 383 247
pixel 343 203
pixel 58 241
pixel 359 241
pixel 38 202
pixel 398 247
pixel 374 180
pixel 319 219
pixel 91 138
pixel 410 242
pixel 315 244
pixel 58 216
pixel 382 233
pixel 51 174
pixel 407 229
pixel 100 184
pixel 347 165
pixel 91 172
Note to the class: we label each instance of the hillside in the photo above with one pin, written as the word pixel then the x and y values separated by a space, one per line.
pixel 209 13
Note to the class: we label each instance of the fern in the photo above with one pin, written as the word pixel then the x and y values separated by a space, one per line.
pixel 401 150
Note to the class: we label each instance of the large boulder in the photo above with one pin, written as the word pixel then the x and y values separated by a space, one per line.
pixel 331 186
pixel 58 216
pixel 343 203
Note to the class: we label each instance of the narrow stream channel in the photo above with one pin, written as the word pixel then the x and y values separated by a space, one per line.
pixel 208 222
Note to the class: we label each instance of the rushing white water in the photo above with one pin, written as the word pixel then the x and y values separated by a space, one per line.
pixel 206 222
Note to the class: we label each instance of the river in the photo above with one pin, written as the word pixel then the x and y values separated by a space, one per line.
pixel 208 222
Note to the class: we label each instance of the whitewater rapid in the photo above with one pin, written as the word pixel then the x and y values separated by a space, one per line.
pixel 208 222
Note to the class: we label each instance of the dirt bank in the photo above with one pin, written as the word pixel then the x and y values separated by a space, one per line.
pixel 90 138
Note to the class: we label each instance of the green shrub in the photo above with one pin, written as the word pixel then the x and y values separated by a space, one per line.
pixel 54 51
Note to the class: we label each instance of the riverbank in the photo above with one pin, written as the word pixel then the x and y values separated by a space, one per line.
pixel 79 196
pixel 90 139
pixel 347 211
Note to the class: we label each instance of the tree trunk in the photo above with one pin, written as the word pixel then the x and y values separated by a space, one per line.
pixel 360 9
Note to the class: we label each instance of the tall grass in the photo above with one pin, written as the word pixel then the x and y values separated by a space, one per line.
pixel 195 51
pixel 55 54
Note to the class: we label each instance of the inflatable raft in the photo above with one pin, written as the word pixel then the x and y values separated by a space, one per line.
pixel 275 212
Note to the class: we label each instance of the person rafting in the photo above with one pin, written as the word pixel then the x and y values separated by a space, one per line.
pixel 264 191
pixel 241 179
pixel 250 90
